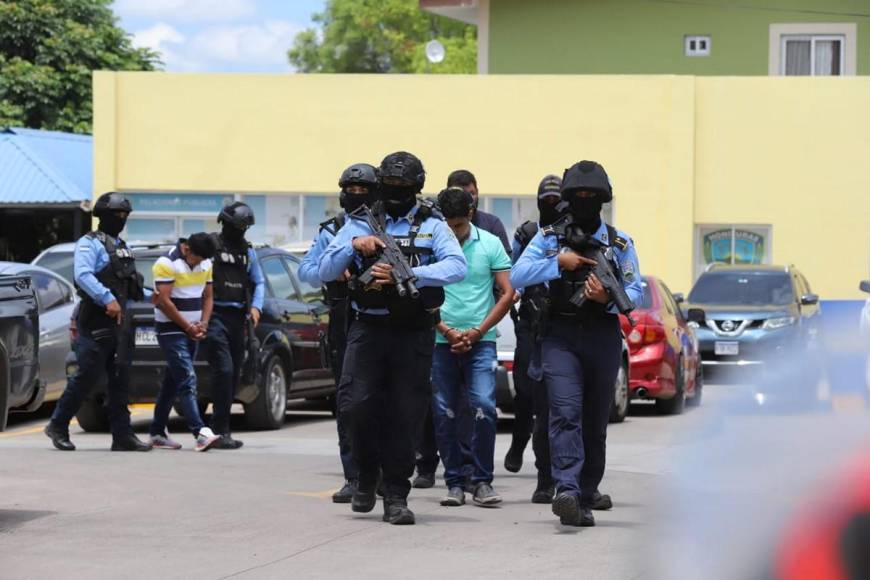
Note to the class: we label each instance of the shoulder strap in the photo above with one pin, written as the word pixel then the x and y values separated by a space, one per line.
pixel 615 239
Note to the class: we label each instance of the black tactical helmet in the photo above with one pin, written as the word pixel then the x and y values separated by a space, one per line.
pixel 587 175
pixel 111 201
pixel 237 214
pixel 404 166
pixel 359 174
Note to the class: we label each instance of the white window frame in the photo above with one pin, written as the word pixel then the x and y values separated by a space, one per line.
pixel 697 52
pixel 846 32
pixel 813 39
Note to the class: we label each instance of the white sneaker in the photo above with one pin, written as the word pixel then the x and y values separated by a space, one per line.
pixel 164 441
pixel 206 439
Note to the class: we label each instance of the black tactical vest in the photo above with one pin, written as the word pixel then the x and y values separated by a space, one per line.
pixel 231 280
pixel 531 303
pixel 569 283
pixel 386 297
pixel 119 276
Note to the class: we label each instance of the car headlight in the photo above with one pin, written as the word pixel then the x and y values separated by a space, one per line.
pixel 778 322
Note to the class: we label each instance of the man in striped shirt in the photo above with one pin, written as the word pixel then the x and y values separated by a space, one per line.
pixel 182 307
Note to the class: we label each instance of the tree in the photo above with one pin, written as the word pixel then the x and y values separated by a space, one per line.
pixel 382 36
pixel 48 49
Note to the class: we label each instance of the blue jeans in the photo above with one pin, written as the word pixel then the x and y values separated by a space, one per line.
pixel 179 380
pixel 474 371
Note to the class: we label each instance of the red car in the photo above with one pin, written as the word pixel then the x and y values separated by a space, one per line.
pixel 663 349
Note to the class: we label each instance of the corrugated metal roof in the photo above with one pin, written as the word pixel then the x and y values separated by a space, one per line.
pixel 45 167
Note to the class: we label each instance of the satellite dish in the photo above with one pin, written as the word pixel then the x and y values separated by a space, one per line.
pixel 435 51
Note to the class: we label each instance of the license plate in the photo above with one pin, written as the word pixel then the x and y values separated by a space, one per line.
pixel 146 337
pixel 727 348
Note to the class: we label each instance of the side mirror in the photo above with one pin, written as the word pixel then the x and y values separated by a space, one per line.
pixel 679 298
pixel 865 286
pixel 697 315
pixel 809 299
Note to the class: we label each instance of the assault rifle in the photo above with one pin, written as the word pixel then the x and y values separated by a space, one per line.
pixel 391 254
pixel 592 248
pixel 250 368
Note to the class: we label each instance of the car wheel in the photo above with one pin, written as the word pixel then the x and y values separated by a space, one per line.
pixel 267 411
pixel 620 396
pixel 676 404
pixel 92 416
pixel 695 401
pixel 4 390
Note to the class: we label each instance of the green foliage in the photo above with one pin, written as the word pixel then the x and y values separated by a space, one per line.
pixel 382 36
pixel 48 49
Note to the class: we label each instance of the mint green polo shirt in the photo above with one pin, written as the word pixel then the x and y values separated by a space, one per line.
pixel 467 303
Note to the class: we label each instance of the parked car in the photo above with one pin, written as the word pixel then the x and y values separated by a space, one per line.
pixel 58 258
pixel 765 317
pixel 663 349
pixel 56 299
pixel 504 378
pixel 20 387
pixel 865 336
pixel 291 363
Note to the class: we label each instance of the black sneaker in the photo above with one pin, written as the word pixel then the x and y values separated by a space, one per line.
pixel 363 500
pixel 424 481
pixel 396 512
pixel 345 494
pixel 543 493
pixel 129 442
pixel 567 507
pixel 601 501
pixel 513 461
pixel 484 495
pixel 59 437
pixel 227 442
pixel 455 497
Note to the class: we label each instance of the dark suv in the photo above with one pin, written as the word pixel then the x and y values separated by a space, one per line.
pixel 754 315
pixel 292 365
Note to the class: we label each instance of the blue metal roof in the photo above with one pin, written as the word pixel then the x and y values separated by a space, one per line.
pixel 45 167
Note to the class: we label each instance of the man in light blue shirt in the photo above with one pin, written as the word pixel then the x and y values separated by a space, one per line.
pixel 358 184
pixel 465 354
pixel 106 279
pixel 581 347
pixel 388 360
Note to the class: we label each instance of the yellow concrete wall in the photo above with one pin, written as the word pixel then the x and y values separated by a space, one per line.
pixel 666 141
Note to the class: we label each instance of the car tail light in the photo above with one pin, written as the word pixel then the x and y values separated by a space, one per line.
pixel 646 334
pixel 508 365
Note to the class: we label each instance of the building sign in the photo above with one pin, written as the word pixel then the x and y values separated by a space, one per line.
pixel 748 247
pixel 179 203
pixel 733 246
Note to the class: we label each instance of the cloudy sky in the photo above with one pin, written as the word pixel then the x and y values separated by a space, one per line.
pixel 218 35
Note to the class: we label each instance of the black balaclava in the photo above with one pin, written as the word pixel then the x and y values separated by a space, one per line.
pixel 587 212
pixel 232 234
pixel 398 199
pixel 111 223
pixel 350 202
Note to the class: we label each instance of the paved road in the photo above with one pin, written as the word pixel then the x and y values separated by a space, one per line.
pixel 264 511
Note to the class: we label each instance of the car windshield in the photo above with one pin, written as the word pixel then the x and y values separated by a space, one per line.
pixel 144 265
pixel 59 262
pixel 743 288
pixel 647 296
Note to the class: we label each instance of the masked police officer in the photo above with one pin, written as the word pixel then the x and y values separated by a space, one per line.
pixel 358 184
pixel 391 338
pixel 238 292
pixel 531 394
pixel 580 349
pixel 106 279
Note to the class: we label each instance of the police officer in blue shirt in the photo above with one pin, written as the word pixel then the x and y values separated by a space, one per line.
pixel 581 347
pixel 358 184
pixel 391 338
pixel 238 292
pixel 106 279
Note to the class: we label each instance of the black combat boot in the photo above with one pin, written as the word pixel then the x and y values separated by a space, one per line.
pixel 129 442
pixel 396 512
pixel 363 500
pixel 345 494
pixel 59 437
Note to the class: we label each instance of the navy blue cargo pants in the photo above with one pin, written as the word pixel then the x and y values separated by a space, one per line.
pixel 580 362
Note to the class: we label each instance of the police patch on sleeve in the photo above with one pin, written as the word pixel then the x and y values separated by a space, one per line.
pixel 628 273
